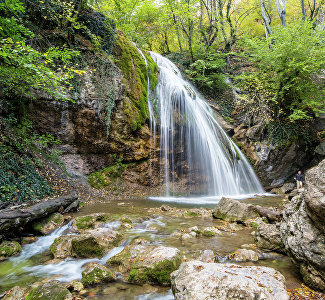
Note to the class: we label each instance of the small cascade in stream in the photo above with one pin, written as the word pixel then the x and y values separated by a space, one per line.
pixel 194 149
pixel 42 244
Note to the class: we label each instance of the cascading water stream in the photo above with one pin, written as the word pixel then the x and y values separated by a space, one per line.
pixel 193 146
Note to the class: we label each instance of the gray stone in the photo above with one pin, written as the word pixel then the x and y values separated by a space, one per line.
pixel 207 256
pixel 95 273
pixel 303 228
pixel 244 255
pixel 287 188
pixel 268 236
pixel 146 263
pixel 53 290
pixel 234 211
pixel 196 280
pixel 16 293
pixel 320 149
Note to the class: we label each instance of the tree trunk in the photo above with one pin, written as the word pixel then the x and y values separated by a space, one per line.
pixel 265 19
pixel 303 9
pixel 12 221
pixel 282 11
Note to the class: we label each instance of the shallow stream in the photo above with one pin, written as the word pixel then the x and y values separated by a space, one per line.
pixel 36 263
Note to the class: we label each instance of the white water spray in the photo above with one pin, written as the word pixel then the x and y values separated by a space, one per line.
pixel 193 145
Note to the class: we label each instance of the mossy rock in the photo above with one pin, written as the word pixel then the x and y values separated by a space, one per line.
pixel 96 273
pixel 126 220
pixel 135 74
pixel 8 249
pixel 192 214
pixel 48 224
pixel 208 233
pixel 85 222
pixel 159 274
pixel 87 247
pixel 141 264
pixel 62 246
pixel 49 291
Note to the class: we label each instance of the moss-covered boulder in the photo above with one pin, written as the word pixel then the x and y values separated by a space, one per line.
pixel 147 264
pixel 210 231
pixel 96 273
pixel 48 224
pixel 95 242
pixel 53 290
pixel 85 222
pixel 91 243
pixel 90 221
pixel 62 247
pixel 8 249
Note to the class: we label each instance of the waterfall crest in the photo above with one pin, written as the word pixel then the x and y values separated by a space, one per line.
pixel 194 149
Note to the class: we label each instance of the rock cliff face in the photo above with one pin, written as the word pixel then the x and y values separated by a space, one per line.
pixel 274 164
pixel 109 119
pixel 303 228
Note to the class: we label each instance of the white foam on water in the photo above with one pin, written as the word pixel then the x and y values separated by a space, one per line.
pixel 113 225
pixel 69 269
pixel 157 296
pixel 42 244
pixel 204 200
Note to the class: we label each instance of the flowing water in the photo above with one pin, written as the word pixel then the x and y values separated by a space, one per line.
pixel 36 263
pixel 193 146
pixel 193 149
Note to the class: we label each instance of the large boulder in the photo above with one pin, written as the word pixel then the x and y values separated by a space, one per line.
pixel 196 280
pixel 95 273
pixel 303 228
pixel 268 237
pixel 92 243
pixel 15 293
pixel 234 211
pixel 146 263
pixel 61 247
pixel 53 290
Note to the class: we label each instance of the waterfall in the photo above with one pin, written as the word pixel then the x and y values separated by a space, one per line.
pixel 195 152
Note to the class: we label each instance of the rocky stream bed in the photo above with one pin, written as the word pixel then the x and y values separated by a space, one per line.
pixel 144 249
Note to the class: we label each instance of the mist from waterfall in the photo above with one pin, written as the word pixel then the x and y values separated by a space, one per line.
pixel 193 146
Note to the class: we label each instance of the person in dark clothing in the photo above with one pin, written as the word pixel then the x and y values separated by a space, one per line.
pixel 299 179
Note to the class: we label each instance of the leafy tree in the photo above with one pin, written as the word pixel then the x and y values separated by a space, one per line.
pixel 207 73
pixel 25 71
pixel 289 62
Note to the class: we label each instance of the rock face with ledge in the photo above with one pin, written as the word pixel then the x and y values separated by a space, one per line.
pixel 303 228
pixel 196 280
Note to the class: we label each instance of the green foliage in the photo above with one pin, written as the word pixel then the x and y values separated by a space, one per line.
pixel 102 178
pixel 25 71
pixel 288 61
pixel 192 214
pixel 98 28
pixel 208 233
pixel 20 169
pixel 208 73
